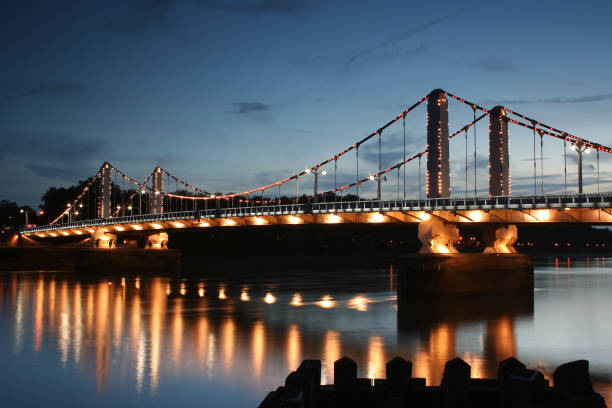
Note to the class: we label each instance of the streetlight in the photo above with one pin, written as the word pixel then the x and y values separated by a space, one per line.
pixel 316 179
pixel 579 148
pixel 69 206
pixel 378 179
pixel 25 211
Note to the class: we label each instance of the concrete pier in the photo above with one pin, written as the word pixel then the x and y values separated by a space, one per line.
pixel 442 275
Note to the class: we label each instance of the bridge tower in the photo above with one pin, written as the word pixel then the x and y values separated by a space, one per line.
pixel 157 199
pixel 499 163
pixel 104 197
pixel 438 172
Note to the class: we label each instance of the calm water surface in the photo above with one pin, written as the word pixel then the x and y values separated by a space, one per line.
pixel 225 337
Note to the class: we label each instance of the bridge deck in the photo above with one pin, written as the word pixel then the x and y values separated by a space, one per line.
pixel 552 208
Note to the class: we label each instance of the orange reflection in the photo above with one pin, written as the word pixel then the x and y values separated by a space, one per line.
pixel 158 312
pixel 101 334
pixel 331 353
pixel 229 333
pixel 38 317
pixel 359 303
pixel 326 302
pixel 376 358
pixel 269 298
pixel 78 322
pixel 222 294
pixel 244 295
pixel 294 347
pixel 177 331
pixel 64 326
pixel 258 344
pixel 296 300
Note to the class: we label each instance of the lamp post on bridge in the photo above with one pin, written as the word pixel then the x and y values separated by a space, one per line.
pixel 579 148
pixel 316 173
pixel 378 180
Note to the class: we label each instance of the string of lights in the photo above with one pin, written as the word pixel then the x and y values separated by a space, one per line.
pixel 76 200
pixel 316 166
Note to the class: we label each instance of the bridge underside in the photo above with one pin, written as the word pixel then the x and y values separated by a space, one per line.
pixel 190 220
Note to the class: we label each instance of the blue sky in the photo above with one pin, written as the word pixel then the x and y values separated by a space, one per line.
pixel 233 94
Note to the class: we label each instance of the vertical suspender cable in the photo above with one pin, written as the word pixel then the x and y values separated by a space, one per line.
pixel 473 109
pixel 466 163
pixel 404 165
pixel 357 174
pixel 398 183
pixel 565 165
pixel 597 171
pixel 534 162
pixel 419 176
pixel 379 193
pixel 297 188
pixel 335 179
pixel 542 160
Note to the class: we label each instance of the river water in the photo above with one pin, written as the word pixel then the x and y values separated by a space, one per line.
pixel 220 336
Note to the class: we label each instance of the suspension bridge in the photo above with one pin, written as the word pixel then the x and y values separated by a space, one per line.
pixel 104 210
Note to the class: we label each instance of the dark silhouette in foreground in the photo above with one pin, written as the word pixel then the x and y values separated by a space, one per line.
pixel 516 386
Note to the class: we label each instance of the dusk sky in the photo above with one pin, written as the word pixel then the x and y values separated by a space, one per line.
pixel 229 95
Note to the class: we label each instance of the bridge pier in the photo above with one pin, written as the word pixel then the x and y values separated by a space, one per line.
pixel 157 241
pixel 102 239
pixel 437 236
pixel 499 240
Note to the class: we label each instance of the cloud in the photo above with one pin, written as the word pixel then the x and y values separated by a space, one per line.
pixel 398 52
pixel 243 108
pixel 53 172
pixel 44 88
pixel 146 15
pixel 399 37
pixel 495 65
pixel 53 147
pixel 554 100
pixel 259 7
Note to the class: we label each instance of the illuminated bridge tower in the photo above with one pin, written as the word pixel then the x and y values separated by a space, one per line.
pixel 104 196
pixel 438 173
pixel 157 199
pixel 499 164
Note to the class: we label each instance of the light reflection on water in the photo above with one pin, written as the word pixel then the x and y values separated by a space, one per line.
pixel 152 340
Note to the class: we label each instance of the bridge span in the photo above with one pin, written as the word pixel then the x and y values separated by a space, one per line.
pixel 159 209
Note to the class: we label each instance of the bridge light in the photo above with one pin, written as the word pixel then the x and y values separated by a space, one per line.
pixel 53 234
pixel 424 216
pixel 77 232
pixel 91 231
pixel 157 192
pixel 142 191
pixel 119 228
pixel 269 298
pixel 294 220
pixel 333 219
pixel 130 207
pixel 179 224
pixel 259 221
pixel 118 207
pixel 68 205
pixel 229 222
pixel 307 171
pixel 204 224
pixel 371 177
pixel 359 303
pixel 80 205
pixel 542 215
pixel 324 172
pixel 136 227
pixel 377 217
pixel 475 216
pixel 64 233
pixel 156 226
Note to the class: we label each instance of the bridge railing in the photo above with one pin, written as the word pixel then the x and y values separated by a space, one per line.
pixel 593 200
